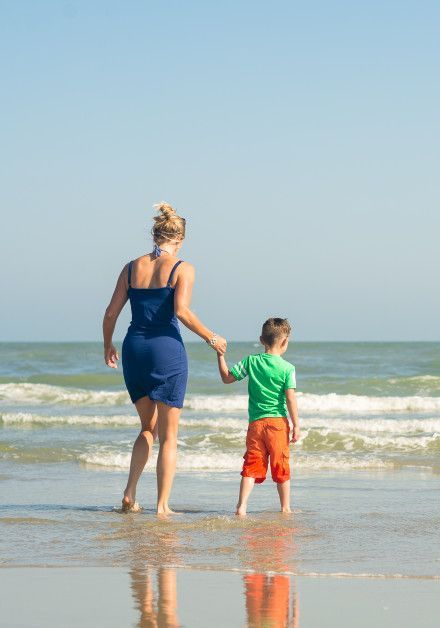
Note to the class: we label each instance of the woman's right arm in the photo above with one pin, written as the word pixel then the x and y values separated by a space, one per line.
pixel 114 308
pixel 182 302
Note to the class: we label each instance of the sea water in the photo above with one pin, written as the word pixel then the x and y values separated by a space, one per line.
pixel 365 473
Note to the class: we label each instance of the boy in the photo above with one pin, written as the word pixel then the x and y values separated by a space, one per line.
pixel 271 391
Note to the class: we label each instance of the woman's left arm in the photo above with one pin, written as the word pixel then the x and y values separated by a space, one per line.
pixel 114 308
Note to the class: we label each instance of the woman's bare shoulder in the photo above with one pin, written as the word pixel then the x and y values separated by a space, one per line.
pixel 143 259
pixel 186 268
pixel 185 272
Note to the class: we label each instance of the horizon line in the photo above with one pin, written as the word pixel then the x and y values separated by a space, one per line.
pixel 202 342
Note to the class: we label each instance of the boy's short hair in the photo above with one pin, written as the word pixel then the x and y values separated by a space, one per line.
pixel 273 329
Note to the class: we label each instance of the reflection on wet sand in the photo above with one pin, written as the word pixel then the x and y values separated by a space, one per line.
pixel 155 610
pixel 269 600
pixel 155 587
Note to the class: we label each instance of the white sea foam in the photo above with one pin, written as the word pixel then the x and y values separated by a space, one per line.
pixel 27 418
pixel 373 425
pixel 357 404
pixel 214 461
pixel 217 403
pixel 207 461
pixel 44 394
pixel 117 420
pixel 34 394
pixel 329 440
pixel 330 403
pixel 326 433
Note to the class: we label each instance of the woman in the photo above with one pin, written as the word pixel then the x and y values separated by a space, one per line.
pixel 154 361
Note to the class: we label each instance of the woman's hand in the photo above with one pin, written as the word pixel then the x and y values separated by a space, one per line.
pixel 111 357
pixel 220 345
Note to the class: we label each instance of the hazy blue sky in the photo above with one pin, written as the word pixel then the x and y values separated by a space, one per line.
pixel 299 139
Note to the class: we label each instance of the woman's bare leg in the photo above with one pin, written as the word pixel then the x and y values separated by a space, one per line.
pixel 141 449
pixel 168 426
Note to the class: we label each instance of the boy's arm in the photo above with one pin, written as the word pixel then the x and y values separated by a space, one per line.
pixel 227 377
pixel 293 413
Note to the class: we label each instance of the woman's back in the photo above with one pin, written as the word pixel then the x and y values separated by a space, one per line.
pixel 151 293
pixel 152 272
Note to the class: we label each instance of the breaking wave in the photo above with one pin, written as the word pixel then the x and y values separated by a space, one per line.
pixel 223 462
pixel 44 394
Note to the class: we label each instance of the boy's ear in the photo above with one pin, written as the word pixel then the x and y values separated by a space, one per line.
pixel 261 340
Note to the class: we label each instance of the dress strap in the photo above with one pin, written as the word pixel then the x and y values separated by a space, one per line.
pixel 172 272
pixel 130 264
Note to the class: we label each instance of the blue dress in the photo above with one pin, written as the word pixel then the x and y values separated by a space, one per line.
pixel 154 359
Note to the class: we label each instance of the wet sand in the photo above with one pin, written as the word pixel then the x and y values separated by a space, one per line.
pixel 166 597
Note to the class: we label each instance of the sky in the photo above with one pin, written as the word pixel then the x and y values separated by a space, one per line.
pixel 300 140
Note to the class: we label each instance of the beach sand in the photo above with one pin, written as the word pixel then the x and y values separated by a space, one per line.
pixel 201 598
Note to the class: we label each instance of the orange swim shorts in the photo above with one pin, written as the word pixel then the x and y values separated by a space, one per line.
pixel 266 439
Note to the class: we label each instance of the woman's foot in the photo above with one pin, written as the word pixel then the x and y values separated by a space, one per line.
pixel 286 510
pixel 165 510
pixel 241 510
pixel 128 503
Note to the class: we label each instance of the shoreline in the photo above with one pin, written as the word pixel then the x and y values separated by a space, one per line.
pixel 233 570
pixel 166 596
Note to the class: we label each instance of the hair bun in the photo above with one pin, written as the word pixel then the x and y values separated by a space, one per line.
pixel 165 209
pixel 168 225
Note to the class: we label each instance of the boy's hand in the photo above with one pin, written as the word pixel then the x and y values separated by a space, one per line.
pixel 221 345
pixel 295 434
pixel 226 376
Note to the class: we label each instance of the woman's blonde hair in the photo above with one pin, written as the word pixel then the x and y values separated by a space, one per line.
pixel 168 225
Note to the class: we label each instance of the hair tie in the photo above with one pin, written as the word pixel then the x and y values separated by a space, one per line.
pixel 156 250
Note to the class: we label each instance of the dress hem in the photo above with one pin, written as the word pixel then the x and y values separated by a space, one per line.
pixel 165 401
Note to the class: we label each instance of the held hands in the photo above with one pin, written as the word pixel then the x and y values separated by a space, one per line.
pixel 111 357
pixel 218 343
pixel 221 345
pixel 295 434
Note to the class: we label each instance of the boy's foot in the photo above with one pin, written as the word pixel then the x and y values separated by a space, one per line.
pixel 241 511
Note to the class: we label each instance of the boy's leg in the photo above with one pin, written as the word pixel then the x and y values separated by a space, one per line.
pixel 246 486
pixel 277 435
pixel 255 464
pixel 284 493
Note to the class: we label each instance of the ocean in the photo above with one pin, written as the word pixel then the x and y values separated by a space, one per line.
pixel 365 474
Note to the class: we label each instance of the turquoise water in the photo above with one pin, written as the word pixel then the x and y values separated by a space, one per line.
pixel 366 469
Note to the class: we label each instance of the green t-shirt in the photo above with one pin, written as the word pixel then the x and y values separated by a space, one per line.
pixel 269 377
